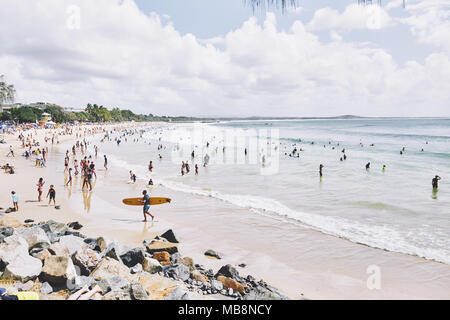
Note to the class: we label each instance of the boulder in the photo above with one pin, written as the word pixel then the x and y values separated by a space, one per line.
pixel 108 268
pixel 29 221
pixel 58 249
pixel 180 293
pixel 5 233
pixel 40 254
pixel 118 295
pixel 157 286
pixel 115 283
pixel 54 227
pixel 79 282
pixel 170 236
pixel 46 288
pixel 163 258
pixel 58 270
pixel 11 248
pixel 133 257
pixel 151 265
pixel 86 259
pixel 177 272
pixel 92 244
pixel 265 293
pixel 75 234
pixel 136 269
pixel 23 268
pixel 216 285
pixel 138 292
pixel 72 243
pixel 34 236
pixel 230 272
pixel 7 222
pixel 188 262
pixel 229 283
pixel 198 276
pixel 104 242
pixel 213 254
pixel 174 257
pixel 159 246
pixel 75 225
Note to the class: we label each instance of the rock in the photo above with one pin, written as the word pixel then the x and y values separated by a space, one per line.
pixel 151 265
pixel 179 293
pixel 79 282
pixel 170 236
pixel 136 269
pixel 230 272
pixel 177 272
pixel 58 270
pixel 40 254
pixel 160 246
pixel 46 288
pixel 216 285
pixel 214 254
pixel 104 242
pixel 118 295
pixel 138 292
pixel 7 222
pixel 27 286
pixel 112 252
pixel 188 262
pixel 163 258
pixel 114 283
pixel 86 259
pixel 54 227
pixel 108 268
pixel 133 257
pixel 156 286
pixel 75 225
pixel 74 233
pixel 242 265
pixel 72 243
pixel 198 276
pixel 229 283
pixel 92 244
pixel 11 248
pixel 265 292
pixel 34 236
pixel 174 257
pixel 58 249
pixel 5 232
pixel 23 268
pixel 29 221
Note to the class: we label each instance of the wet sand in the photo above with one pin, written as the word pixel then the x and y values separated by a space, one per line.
pixel 299 261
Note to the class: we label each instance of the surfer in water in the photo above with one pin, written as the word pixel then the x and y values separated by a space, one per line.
pixel 146 200
pixel 435 183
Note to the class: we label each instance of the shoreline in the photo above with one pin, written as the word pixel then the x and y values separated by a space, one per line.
pixel 337 277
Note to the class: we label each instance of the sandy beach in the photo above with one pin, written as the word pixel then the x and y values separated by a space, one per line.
pixel 295 268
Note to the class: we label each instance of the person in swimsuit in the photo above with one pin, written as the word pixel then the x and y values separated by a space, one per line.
pixel 40 185
pixel 51 195
pixel 146 208
pixel 435 182
pixel 106 163
pixel 69 182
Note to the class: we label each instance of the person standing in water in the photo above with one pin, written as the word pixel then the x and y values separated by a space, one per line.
pixel 106 163
pixel 69 182
pixel 435 183
pixel 320 171
pixel 368 166
pixel 384 168
pixel 146 208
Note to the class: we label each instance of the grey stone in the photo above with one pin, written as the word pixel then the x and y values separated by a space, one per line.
pixel 75 225
pixel 78 282
pixel 34 236
pixel 151 265
pixel 46 288
pixel 177 271
pixel 216 285
pixel 23 268
pixel 136 269
pixel 138 292
pixel 230 272
pixel 170 236
pixel 214 254
pixel 86 259
pixel 72 243
pixel 133 257
pixel 179 293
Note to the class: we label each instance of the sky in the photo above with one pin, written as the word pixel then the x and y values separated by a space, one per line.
pixel 222 58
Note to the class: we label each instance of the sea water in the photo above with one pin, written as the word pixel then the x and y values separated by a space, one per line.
pixel 395 209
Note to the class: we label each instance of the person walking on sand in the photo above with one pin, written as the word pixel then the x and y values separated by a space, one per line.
pixel 196 169
pixel 11 152
pixel 51 195
pixel 40 185
pixel 146 208
pixel 69 182
pixel 15 200
pixel 150 166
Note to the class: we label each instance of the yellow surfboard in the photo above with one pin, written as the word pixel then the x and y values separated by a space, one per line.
pixel 140 202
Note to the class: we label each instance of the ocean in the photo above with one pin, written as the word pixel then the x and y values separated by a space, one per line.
pixel 395 209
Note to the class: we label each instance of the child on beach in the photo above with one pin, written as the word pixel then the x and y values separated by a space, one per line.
pixel 15 200
pixel 51 195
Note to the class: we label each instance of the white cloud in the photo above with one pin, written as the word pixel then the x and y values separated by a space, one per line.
pixel 122 57
pixel 353 17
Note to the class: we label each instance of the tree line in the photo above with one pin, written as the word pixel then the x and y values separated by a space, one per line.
pixel 92 113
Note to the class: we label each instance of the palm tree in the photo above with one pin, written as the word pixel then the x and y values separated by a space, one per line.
pixel 7 92
pixel 262 3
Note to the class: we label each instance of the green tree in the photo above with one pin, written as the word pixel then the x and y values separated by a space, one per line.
pixel 7 92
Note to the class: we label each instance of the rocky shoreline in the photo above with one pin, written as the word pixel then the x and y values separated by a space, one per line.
pixel 56 261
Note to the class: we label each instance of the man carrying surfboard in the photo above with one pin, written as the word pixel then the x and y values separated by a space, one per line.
pixel 146 200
